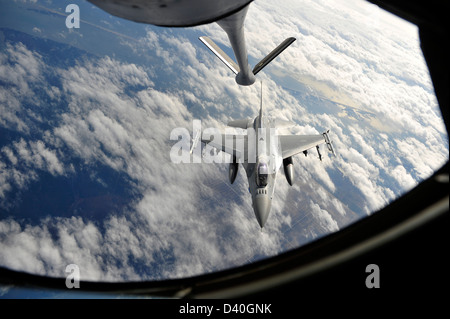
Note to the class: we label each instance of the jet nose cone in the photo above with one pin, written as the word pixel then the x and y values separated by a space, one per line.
pixel 261 205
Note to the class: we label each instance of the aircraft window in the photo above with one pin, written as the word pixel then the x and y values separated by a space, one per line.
pixel 262 175
pixel 88 174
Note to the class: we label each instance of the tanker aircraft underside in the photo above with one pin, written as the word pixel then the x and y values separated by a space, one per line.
pixel 262 152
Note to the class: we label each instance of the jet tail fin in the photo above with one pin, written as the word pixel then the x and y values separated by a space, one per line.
pixel 220 54
pixel 272 55
pixel 195 140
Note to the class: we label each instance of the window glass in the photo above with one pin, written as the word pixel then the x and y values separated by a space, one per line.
pixel 86 114
pixel 261 176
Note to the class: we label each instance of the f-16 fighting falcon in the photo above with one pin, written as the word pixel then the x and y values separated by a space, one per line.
pixel 229 15
pixel 262 152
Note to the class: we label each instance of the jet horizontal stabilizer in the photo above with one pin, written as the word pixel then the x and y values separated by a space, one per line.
pixel 242 123
pixel 220 54
pixel 272 55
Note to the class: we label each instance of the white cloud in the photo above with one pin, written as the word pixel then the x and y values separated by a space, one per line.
pixel 32 156
pixel 20 68
pixel 323 218
pixel 405 180
pixel 423 161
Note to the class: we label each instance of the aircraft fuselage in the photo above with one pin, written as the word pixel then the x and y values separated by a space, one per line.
pixel 262 169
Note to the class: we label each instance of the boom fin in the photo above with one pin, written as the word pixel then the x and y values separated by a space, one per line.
pixel 220 54
pixel 272 55
pixel 233 66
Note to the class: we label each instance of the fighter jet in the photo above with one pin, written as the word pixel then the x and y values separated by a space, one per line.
pixel 261 152
pixel 229 15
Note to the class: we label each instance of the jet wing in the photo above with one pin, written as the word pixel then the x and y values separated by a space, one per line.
pixel 294 144
pixel 234 145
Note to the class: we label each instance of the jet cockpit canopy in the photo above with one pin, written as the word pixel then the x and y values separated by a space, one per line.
pixel 262 172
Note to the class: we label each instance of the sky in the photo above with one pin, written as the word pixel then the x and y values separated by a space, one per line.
pixel 87 115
